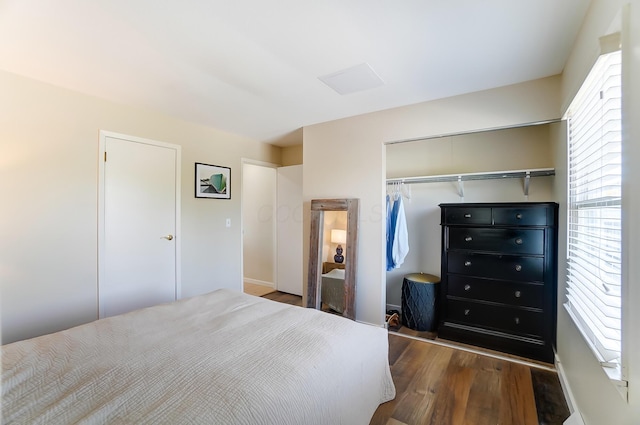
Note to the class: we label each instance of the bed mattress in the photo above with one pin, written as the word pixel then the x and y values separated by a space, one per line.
pixel 219 358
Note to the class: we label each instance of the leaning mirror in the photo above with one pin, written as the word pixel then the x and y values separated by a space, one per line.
pixel 333 255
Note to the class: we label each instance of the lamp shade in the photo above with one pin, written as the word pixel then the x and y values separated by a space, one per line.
pixel 338 236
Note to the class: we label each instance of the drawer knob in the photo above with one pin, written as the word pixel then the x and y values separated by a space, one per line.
pixel 518 294
pixel 467 215
pixel 518 267
pixel 518 241
pixel 467 263
pixel 466 312
pixel 467 287
pixel 468 238
pixel 517 320
pixel 518 216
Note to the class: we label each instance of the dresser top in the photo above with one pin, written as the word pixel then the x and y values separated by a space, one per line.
pixel 499 204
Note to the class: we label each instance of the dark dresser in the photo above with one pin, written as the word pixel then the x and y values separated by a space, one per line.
pixel 499 276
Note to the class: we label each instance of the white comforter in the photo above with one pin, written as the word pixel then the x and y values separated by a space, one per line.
pixel 220 358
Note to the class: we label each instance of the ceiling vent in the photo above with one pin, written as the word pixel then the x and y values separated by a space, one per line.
pixel 357 78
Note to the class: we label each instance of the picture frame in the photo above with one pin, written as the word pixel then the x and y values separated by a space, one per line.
pixel 212 181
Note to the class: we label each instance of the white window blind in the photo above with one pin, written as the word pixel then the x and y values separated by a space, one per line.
pixel 594 244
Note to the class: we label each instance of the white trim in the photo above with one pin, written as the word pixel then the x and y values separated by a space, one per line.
pixel 371 324
pixel 101 237
pixel 258 162
pixel 260 282
pixel 564 383
pixel 574 419
pixel 178 205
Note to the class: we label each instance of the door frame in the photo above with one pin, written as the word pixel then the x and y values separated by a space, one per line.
pixel 101 207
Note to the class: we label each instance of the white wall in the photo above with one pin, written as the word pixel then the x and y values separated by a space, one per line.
pixel 48 217
pixel 594 395
pixel 356 147
pixel 259 224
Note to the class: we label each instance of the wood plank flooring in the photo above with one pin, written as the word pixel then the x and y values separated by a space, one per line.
pixel 257 290
pixel 442 385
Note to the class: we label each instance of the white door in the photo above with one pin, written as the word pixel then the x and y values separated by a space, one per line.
pixel 289 230
pixel 139 215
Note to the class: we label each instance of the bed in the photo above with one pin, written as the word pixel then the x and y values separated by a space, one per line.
pixel 219 358
pixel 332 289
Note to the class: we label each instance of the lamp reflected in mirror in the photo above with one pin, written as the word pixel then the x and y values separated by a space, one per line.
pixel 339 236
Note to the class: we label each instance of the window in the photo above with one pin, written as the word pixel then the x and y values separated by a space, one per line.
pixel 594 240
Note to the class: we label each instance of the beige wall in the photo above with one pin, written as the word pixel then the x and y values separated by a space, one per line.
pixel 292 155
pixel 593 394
pixel 518 148
pixel 356 147
pixel 48 218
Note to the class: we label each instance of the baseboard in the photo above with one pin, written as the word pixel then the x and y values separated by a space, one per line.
pixel 370 324
pixel 260 282
pixel 575 418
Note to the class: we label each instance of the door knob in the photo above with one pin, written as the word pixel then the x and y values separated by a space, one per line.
pixel 168 237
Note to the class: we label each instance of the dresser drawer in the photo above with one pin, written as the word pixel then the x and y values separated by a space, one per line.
pixel 512 293
pixel 509 319
pixel 532 216
pixel 512 241
pixel 464 215
pixel 504 267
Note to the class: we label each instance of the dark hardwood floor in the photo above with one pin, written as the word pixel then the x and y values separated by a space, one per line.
pixel 443 385
pixel 283 297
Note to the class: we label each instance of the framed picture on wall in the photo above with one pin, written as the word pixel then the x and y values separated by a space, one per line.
pixel 213 181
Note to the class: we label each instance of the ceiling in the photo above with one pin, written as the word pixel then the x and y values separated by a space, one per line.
pixel 252 67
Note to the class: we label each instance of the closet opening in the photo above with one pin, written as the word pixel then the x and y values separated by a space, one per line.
pixel 512 164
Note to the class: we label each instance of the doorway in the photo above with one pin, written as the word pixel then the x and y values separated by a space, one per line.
pixel 138 223
pixel 258 227
pixel 272 227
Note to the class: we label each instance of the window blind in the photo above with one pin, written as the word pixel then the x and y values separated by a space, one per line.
pixel 594 240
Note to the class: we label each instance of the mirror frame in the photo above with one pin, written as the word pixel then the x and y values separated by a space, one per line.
pixel 314 281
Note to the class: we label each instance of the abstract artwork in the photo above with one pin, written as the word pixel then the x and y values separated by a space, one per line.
pixel 213 181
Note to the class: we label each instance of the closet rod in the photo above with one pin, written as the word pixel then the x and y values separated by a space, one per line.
pixel 538 172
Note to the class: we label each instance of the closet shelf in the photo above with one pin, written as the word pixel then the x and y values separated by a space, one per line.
pixel 538 172
pixel 511 174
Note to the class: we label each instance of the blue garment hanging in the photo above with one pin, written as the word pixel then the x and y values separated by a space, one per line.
pixel 392 217
pixel 401 236
pixel 389 236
